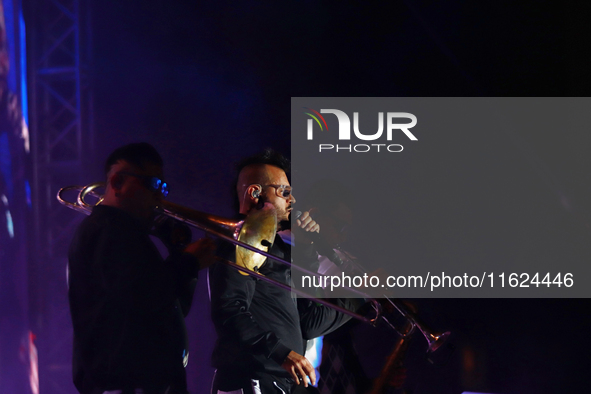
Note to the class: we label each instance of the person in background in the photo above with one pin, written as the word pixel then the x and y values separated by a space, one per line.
pixel 127 303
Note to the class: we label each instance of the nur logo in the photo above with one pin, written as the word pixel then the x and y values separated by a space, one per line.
pixel 344 133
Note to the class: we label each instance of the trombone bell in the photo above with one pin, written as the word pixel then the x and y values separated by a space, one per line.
pixel 257 230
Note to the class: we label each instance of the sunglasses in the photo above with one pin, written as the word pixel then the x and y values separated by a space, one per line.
pixel 283 191
pixel 151 183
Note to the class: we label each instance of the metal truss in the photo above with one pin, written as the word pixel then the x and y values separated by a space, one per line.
pixel 62 145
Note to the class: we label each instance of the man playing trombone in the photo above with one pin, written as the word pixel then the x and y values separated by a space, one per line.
pixel 261 328
pixel 127 303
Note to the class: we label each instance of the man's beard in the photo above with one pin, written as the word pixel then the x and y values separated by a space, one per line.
pixel 285 222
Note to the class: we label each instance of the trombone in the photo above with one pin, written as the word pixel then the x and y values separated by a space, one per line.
pixel 254 235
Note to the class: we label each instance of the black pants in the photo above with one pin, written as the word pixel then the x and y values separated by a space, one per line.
pixel 232 381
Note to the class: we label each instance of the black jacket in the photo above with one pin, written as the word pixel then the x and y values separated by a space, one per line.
pixel 258 324
pixel 127 306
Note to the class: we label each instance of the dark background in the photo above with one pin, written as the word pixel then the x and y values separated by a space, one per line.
pixel 208 84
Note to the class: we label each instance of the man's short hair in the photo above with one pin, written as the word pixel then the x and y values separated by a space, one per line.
pixel 268 156
pixel 138 154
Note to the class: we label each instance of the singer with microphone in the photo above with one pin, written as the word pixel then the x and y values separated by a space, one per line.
pixel 262 329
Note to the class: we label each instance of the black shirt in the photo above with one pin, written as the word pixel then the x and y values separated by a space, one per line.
pixel 257 323
pixel 127 306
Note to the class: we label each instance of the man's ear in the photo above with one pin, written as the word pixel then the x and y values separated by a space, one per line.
pixel 117 181
pixel 254 192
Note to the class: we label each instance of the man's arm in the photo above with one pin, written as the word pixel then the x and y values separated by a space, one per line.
pixel 317 320
pixel 231 297
pixel 196 256
pixel 186 267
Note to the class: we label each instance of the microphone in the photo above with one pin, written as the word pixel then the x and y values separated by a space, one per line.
pixel 296 215
pixel 320 245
